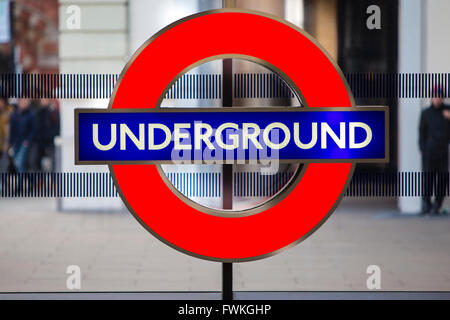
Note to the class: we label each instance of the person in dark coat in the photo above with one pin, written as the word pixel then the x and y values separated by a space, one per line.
pixel 21 134
pixel 434 137
pixel 43 137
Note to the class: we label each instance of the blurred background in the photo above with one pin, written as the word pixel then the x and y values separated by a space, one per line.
pixel 44 232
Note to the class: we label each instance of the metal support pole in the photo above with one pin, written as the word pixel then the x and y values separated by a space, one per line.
pixel 227 174
pixel 227 169
pixel 227 281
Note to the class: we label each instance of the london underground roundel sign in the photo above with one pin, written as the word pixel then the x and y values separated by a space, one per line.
pixel 134 136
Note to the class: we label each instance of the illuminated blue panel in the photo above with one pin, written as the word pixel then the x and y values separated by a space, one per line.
pixel 338 148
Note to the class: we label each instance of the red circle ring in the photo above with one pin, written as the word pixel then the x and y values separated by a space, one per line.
pixel 231 32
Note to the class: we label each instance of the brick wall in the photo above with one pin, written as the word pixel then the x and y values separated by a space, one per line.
pixel 35 33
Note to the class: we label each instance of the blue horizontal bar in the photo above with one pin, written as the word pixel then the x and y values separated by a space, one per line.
pixel 124 136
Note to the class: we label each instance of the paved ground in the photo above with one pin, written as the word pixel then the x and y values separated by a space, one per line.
pixel 115 253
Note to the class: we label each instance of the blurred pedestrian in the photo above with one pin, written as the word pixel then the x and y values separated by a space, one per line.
pixel 21 134
pixel 434 137
pixel 44 133
pixel 54 132
pixel 5 114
